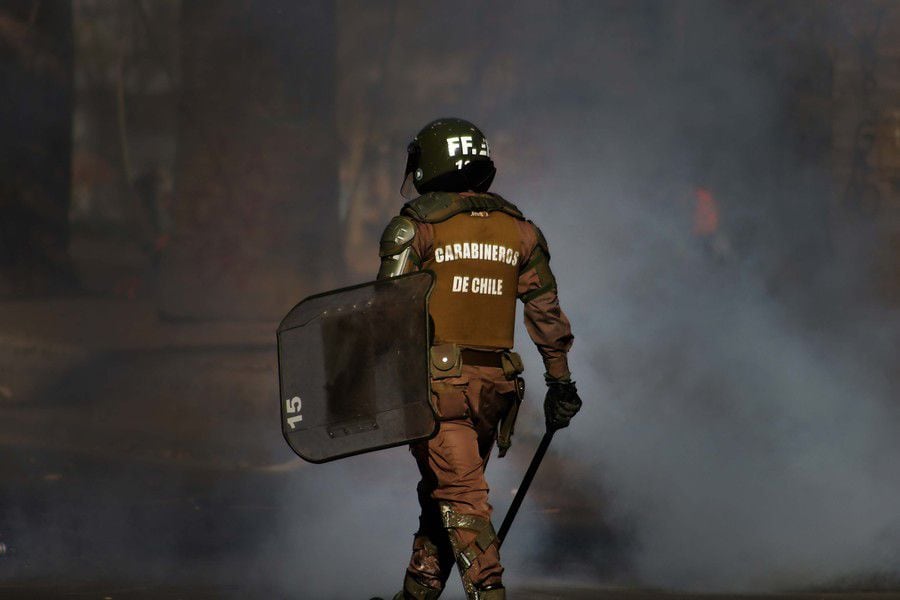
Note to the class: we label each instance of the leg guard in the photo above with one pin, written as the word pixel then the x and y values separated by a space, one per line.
pixel 470 536
pixel 493 592
pixel 413 590
pixel 427 571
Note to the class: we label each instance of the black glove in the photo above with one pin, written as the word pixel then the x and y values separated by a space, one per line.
pixel 561 403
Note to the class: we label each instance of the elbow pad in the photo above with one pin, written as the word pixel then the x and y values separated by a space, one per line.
pixel 540 262
pixel 396 249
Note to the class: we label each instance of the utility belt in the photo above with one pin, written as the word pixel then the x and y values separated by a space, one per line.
pixel 447 361
pixel 481 358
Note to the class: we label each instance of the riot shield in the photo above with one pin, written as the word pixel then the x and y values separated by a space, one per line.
pixel 354 369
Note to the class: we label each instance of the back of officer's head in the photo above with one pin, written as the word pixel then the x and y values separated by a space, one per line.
pixel 448 155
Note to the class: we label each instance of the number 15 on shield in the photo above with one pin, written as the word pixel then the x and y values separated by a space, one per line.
pixel 292 407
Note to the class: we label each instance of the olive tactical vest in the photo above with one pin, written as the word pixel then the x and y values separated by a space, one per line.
pixel 476 262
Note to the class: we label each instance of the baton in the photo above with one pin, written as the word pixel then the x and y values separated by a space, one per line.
pixel 523 487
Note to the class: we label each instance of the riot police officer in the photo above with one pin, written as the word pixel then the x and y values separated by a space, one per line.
pixel 485 255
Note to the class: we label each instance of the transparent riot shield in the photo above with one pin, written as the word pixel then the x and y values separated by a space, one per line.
pixel 353 369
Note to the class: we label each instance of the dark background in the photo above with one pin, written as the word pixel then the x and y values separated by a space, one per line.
pixel 720 186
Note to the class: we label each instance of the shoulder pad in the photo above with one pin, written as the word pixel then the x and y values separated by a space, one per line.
pixel 541 240
pixel 435 207
pixel 491 202
pixel 397 236
pixel 431 207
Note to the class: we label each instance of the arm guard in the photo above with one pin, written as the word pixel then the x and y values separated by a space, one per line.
pixel 396 249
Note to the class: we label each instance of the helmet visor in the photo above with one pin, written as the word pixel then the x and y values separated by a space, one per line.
pixel 407 188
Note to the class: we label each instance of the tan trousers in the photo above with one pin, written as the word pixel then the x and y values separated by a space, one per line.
pixel 452 467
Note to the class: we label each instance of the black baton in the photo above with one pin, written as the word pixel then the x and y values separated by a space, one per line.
pixel 523 487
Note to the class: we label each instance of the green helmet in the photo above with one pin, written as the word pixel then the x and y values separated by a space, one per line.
pixel 448 155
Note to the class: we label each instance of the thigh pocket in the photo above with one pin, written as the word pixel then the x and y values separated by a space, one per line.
pixel 450 399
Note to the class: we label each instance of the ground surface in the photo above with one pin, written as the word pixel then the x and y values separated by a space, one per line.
pixel 22 591
pixel 143 459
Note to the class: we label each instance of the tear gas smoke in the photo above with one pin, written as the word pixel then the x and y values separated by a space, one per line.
pixel 741 410
pixel 740 420
pixel 740 425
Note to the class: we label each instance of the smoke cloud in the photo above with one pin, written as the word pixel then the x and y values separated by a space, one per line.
pixel 740 421
pixel 741 413
pixel 740 425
